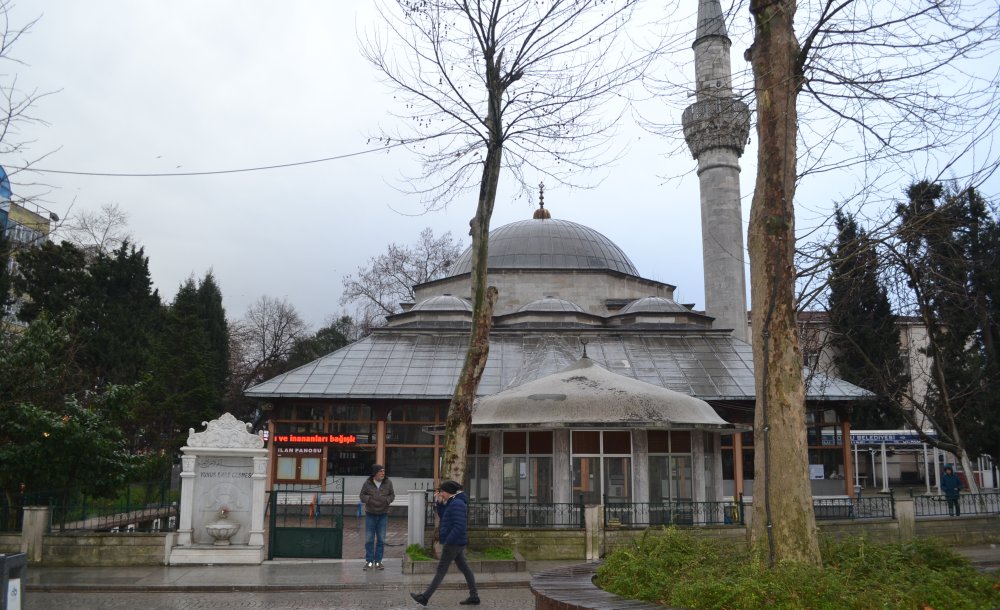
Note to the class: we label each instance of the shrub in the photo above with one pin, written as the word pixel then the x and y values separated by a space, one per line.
pixel 676 568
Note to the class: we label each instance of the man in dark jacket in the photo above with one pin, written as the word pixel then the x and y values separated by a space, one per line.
pixel 951 485
pixel 376 496
pixel 453 510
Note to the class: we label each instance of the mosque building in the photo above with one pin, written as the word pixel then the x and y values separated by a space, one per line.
pixel 599 385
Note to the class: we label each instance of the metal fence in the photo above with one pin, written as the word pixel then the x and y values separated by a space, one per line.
pixel 517 514
pixel 677 512
pixel 861 507
pixel 138 507
pixel 984 503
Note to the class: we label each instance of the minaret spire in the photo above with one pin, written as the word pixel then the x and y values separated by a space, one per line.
pixel 716 127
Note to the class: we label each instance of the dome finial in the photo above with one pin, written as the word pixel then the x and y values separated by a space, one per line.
pixel 541 213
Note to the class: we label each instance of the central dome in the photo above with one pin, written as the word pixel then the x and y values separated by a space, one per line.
pixel 549 244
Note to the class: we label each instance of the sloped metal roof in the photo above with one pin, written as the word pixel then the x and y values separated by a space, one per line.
pixel 415 364
pixel 586 394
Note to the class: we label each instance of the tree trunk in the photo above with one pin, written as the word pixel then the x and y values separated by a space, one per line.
pixel 783 523
pixel 459 422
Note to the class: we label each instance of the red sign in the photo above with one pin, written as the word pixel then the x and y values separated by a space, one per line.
pixel 316 439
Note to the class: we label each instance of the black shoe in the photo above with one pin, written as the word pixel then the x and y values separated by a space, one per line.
pixel 419 598
pixel 473 600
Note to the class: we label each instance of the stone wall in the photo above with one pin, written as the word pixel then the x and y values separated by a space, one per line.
pixel 104 549
pixel 532 544
pixel 10 543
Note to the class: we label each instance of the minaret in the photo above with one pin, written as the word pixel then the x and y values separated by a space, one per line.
pixel 716 128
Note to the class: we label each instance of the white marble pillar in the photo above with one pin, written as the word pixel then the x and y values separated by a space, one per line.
pixel 640 466
pixel 187 500
pixel 257 508
pixel 698 464
pixel 562 468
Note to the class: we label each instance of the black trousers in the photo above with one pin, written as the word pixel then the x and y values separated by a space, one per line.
pixel 451 553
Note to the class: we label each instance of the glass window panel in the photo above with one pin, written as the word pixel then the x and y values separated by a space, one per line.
pixel 351 413
pixel 286 468
pixel 680 442
pixel 540 443
pixel 478 479
pixel 484 444
pixel 309 469
pixel 587 479
pixel 408 434
pixel 515 479
pixel 353 462
pixel 540 480
pixel 619 441
pixel 658 441
pixel 618 478
pixel 410 462
pixel 659 479
pixel 515 443
pixel 586 441
pixel 680 474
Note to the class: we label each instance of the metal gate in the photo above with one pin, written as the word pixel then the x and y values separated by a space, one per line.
pixel 307 522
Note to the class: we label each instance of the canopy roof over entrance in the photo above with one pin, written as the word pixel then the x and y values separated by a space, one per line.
pixel 587 395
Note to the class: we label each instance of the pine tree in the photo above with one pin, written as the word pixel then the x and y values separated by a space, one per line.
pixel 213 319
pixel 863 328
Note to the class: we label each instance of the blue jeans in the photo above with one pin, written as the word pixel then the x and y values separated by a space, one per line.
pixel 375 526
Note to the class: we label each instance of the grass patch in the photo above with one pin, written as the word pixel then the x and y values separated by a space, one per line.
pixel 418 553
pixel 494 553
pixel 675 568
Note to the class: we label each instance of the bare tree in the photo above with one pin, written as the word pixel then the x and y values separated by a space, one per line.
pixel 99 231
pixel 388 279
pixel 262 340
pixel 492 86
pixel 886 70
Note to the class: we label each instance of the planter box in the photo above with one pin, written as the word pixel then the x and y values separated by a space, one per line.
pixel 479 566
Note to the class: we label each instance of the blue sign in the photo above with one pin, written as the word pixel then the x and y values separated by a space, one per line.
pixel 900 437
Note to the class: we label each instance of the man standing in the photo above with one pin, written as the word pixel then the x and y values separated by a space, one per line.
pixel 376 496
pixel 453 510
pixel 951 485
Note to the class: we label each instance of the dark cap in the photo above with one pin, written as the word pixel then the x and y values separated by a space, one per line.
pixel 377 468
pixel 452 487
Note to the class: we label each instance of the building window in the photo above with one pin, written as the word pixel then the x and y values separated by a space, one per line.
pixel 527 467
pixel 669 466
pixel 410 462
pixel 602 465
pixel 477 471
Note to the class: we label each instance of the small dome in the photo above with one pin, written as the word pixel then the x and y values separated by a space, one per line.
pixel 551 304
pixel 654 305
pixel 546 243
pixel 444 302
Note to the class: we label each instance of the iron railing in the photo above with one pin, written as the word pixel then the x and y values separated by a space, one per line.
pixel 139 507
pixel 983 503
pixel 517 515
pixel 860 507
pixel 673 512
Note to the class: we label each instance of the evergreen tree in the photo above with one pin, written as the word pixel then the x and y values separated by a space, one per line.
pixel 863 328
pixel 947 242
pixel 328 339
pixel 213 319
pixel 181 392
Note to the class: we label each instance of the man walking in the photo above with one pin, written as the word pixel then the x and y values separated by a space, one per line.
pixel 452 508
pixel 376 496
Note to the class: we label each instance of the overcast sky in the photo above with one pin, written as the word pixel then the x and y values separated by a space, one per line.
pixel 146 87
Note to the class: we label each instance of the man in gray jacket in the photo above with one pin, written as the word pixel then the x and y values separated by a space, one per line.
pixel 376 496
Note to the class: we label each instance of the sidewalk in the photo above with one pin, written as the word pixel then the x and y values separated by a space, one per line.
pixel 280 574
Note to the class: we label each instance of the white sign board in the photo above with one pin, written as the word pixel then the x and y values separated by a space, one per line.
pixel 816 471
